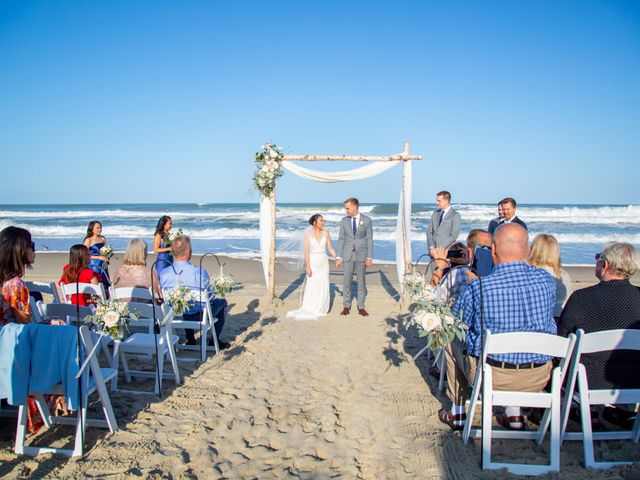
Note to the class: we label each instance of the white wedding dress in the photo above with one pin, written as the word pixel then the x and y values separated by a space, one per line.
pixel 315 296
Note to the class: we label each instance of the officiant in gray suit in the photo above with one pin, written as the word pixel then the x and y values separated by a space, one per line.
pixel 355 252
pixel 444 227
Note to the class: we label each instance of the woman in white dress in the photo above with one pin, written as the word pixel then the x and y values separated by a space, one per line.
pixel 315 296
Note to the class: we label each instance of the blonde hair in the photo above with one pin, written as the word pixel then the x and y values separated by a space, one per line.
pixel 623 259
pixel 545 252
pixel 136 252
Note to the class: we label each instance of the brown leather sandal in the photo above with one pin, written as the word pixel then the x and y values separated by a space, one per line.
pixel 448 418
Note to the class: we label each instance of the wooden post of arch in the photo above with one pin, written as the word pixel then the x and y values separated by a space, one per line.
pixel 405 157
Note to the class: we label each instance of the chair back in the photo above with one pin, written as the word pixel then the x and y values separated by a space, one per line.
pixel 47 288
pixel 145 313
pixel 528 342
pixel 69 289
pixel 622 339
pixel 130 293
pixel 64 311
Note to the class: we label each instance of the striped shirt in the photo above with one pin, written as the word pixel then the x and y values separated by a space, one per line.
pixel 516 298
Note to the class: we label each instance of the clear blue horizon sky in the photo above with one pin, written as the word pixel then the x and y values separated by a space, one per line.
pixel 154 101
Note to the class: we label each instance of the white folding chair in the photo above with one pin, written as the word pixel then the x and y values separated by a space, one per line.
pixel 136 294
pixel 69 289
pixel 607 340
pixel 204 326
pixel 46 288
pixel 93 380
pixel 525 342
pixel 147 344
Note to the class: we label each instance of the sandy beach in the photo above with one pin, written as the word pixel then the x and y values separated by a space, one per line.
pixel 340 397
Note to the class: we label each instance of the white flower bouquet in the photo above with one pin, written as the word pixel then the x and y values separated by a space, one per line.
pixel 112 317
pixel 171 235
pixel 106 252
pixel 414 285
pixel 180 298
pixel 268 168
pixel 223 284
pixel 433 315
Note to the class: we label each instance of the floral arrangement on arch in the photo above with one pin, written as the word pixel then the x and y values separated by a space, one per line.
pixel 268 168
pixel 433 314
pixel 112 317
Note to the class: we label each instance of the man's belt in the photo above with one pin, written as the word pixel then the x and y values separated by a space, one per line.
pixel 514 366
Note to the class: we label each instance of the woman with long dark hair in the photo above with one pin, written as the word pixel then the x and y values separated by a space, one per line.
pixel 78 270
pixel 17 252
pixel 161 243
pixel 94 241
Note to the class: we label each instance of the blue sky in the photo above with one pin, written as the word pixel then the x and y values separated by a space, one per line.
pixel 152 101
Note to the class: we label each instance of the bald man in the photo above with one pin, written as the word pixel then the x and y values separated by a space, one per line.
pixel 516 298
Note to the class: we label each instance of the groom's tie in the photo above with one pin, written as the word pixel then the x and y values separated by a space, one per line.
pixel 354 226
pixel 441 217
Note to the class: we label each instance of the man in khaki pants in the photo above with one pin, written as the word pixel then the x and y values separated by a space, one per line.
pixel 516 297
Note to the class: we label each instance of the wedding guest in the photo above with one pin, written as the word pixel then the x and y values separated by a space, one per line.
pixel 516 297
pixel 78 270
pixel 17 253
pixel 183 272
pixel 160 243
pixel 508 215
pixel 612 304
pixel 545 254
pixel 493 224
pixel 134 271
pixel 94 241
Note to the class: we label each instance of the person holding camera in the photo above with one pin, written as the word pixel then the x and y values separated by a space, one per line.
pixel 444 226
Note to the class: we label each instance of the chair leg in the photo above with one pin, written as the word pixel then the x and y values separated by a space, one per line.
pixel 78 449
pixel 487 409
pixel 475 394
pixel 635 436
pixel 442 366
pixel 21 430
pixel 585 416
pixel 43 408
pixel 555 423
pixel 174 360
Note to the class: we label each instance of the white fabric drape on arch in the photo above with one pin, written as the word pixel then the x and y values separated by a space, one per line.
pixel 373 169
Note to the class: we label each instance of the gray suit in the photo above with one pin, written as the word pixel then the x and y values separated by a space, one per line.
pixel 354 250
pixel 443 234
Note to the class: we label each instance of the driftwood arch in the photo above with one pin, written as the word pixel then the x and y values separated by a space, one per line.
pixel 403 245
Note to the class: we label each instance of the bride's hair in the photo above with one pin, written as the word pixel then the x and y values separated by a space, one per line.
pixel 314 218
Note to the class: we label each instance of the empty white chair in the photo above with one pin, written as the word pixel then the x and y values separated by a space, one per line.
pixel 594 342
pixel 93 381
pixel 69 289
pixel 148 344
pixel 45 288
pixel 525 342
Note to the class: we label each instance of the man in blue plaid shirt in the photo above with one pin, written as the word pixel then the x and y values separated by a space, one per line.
pixel 516 298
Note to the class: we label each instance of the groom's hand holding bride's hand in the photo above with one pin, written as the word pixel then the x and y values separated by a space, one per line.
pixel 368 262
pixel 338 262
pixel 309 272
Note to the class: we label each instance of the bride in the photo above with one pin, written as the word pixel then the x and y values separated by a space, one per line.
pixel 315 296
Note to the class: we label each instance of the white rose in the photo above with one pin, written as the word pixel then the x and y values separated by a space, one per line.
pixel 428 320
pixel 111 319
pixel 448 320
pixel 273 153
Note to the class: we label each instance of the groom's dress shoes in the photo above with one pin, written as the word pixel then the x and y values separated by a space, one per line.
pixel 345 311
pixel 363 312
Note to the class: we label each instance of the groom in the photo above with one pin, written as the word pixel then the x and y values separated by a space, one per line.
pixel 355 249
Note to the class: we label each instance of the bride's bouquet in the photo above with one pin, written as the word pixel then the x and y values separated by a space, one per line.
pixel 223 284
pixel 106 252
pixel 112 317
pixel 180 298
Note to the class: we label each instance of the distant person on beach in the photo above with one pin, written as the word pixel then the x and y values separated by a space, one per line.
pixel 516 298
pixel 315 296
pixel 355 252
pixel 612 304
pixel 183 272
pixel 94 241
pixel 134 271
pixel 444 226
pixel 17 253
pixel 508 214
pixel 545 254
pixel 493 224
pixel 161 243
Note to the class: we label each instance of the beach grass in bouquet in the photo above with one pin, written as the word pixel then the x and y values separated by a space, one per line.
pixel 223 284
pixel 112 317
pixel 180 298
pixel 107 252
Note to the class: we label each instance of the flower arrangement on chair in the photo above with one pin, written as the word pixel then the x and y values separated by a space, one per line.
pixel 112 317
pixel 268 168
pixel 180 298
pixel 223 284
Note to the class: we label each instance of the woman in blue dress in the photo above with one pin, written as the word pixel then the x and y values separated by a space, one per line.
pixel 160 244
pixel 94 241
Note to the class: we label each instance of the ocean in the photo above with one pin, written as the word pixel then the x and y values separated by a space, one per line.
pixel 232 228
